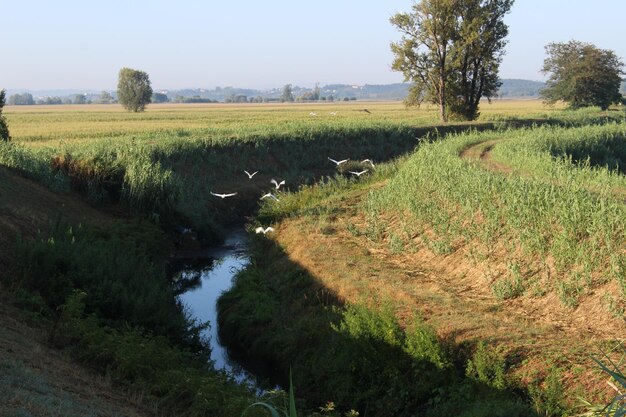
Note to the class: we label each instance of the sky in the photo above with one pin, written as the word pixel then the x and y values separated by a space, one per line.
pixel 70 44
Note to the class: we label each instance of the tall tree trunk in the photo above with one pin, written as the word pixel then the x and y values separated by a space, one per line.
pixel 442 104
pixel 442 89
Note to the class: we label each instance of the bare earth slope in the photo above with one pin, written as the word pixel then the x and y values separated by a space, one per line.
pixel 36 380
pixel 453 296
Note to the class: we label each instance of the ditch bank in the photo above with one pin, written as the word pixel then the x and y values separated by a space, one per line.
pixel 134 338
pixel 370 356
pixel 201 278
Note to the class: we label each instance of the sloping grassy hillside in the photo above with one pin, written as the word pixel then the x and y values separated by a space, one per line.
pixel 519 248
pixel 558 228
pixel 102 286
pixel 35 379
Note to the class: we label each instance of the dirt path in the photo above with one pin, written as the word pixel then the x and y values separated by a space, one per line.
pixel 481 152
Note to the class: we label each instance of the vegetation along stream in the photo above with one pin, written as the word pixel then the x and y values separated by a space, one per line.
pixel 202 284
pixel 339 296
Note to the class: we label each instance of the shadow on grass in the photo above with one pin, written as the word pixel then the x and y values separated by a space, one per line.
pixel 171 183
pixel 278 316
pixel 299 157
pixel 603 152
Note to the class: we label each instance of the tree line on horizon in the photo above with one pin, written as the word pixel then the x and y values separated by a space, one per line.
pixel 105 97
pixel 450 53
pixel 510 88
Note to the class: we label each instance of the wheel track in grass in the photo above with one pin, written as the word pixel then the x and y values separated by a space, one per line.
pixel 454 294
pixel 480 153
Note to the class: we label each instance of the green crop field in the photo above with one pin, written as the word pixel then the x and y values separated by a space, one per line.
pixel 72 125
pixel 472 270
pixel 142 159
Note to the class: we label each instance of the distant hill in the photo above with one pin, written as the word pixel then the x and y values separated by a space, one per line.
pixel 511 88
pixel 336 91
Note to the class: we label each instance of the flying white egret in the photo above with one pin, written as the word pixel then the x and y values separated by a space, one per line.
pixel 269 195
pixel 250 175
pixel 222 195
pixel 333 113
pixel 313 114
pixel 358 174
pixel 369 161
pixel 264 231
pixel 277 184
pixel 343 161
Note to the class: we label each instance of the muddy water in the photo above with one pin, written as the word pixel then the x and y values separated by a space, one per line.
pixel 204 286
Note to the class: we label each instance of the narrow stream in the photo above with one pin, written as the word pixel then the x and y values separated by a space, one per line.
pixel 208 283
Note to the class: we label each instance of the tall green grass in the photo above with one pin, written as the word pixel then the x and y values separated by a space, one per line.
pixel 109 301
pixel 552 219
pixel 171 182
pixel 594 156
pixel 358 356
pixel 163 165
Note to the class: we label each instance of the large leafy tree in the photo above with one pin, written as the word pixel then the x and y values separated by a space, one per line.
pixel 582 75
pixel 478 50
pixel 4 127
pixel 133 89
pixel 451 52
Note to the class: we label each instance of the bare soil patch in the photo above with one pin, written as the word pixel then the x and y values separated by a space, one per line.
pixel 453 294
pixel 482 152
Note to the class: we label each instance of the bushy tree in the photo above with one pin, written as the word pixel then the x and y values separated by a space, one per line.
pixel 159 98
pixel 4 127
pixel 133 89
pixel 80 99
pixel 287 95
pixel 105 98
pixel 477 54
pixel 50 100
pixel 451 52
pixel 25 99
pixel 582 75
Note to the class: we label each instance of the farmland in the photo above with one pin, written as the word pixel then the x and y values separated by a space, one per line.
pixel 472 271
pixel 109 155
pixel 53 124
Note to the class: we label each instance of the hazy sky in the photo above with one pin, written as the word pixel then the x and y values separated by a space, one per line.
pixel 70 44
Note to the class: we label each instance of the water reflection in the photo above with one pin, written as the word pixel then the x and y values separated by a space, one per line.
pixel 199 288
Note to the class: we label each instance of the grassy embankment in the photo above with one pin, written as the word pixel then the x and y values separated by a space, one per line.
pixel 166 173
pixel 101 287
pixel 99 291
pixel 164 162
pixel 531 264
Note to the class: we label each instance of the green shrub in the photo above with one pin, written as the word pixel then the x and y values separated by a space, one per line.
pixel 547 397
pixel 174 380
pixel 116 270
pixel 488 367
